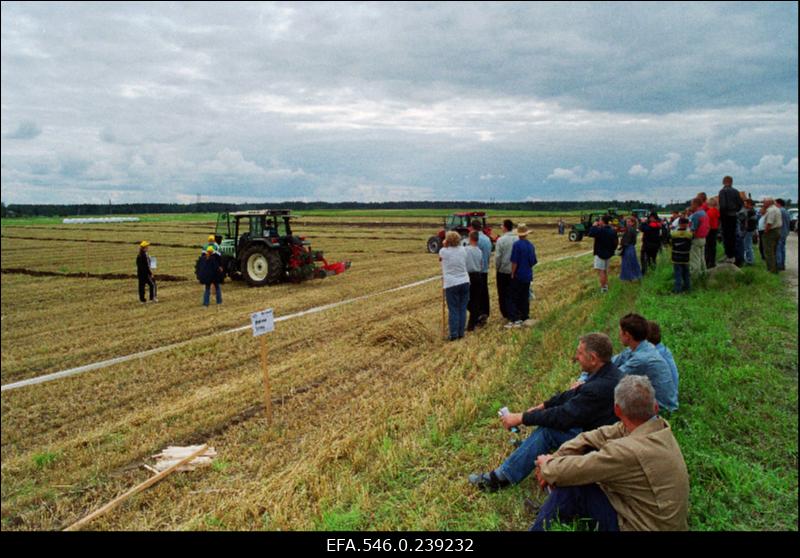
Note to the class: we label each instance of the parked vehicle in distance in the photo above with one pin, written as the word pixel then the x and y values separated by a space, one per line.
pixel 460 222
pixel 579 230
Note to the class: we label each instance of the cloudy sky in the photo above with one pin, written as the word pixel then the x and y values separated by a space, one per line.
pixel 146 102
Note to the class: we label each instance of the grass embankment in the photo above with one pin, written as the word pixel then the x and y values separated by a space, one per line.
pixel 735 342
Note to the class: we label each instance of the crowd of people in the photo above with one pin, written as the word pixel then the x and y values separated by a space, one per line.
pixel 603 449
pixel 693 235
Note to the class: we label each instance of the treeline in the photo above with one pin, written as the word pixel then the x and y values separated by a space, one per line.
pixel 49 210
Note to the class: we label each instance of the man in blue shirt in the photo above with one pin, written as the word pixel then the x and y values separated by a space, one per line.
pixel 654 336
pixel 485 245
pixel 641 358
pixel 523 258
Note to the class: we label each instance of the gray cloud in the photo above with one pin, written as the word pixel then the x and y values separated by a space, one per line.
pixel 26 130
pixel 380 100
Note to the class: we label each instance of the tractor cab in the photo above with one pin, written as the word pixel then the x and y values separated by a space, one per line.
pixel 641 214
pixel 460 221
pixel 235 231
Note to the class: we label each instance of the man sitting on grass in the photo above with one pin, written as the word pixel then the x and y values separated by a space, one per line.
pixel 562 417
pixel 641 358
pixel 630 476
pixel 654 336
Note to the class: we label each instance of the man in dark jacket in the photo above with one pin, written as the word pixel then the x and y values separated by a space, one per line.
pixel 651 241
pixel 209 272
pixel 144 273
pixel 730 202
pixel 605 244
pixel 562 417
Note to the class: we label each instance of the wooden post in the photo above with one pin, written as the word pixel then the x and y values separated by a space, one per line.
pixel 136 489
pixel 267 395
pixel 87 256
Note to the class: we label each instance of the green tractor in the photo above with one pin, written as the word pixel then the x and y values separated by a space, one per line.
pixel 578 231
pixel 259 247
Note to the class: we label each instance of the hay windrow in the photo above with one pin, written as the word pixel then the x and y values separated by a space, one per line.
pixel 403 333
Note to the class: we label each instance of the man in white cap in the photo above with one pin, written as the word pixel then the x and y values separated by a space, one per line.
pixel 523 258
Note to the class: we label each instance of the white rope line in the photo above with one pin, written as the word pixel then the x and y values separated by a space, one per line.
pixel 106 363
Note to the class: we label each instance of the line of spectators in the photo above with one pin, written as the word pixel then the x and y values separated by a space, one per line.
pixel 465 273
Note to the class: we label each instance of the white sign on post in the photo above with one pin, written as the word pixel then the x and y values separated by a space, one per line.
pixel 263 322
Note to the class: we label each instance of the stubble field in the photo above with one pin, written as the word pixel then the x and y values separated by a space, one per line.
pixel 359 390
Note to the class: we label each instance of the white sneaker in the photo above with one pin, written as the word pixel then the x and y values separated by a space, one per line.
pixel 509 325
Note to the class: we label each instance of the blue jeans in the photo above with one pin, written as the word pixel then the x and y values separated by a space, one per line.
pixel 522 461
pixel 749 257
pixel 207 294
pixel 584 502
pixel 457 300
pixel 780 255
pixel 682 281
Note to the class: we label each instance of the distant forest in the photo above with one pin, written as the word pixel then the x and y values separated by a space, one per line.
pixel 45 210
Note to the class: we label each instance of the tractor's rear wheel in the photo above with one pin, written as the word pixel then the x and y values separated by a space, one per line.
pixel 434 245
pixel 262 266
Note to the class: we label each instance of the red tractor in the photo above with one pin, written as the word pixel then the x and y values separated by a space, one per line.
pixel 460 222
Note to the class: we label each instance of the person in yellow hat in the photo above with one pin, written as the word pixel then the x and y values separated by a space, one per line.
pixel 212 241
pixel 145 273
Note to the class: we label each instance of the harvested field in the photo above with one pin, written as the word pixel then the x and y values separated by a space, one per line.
pixel 351 385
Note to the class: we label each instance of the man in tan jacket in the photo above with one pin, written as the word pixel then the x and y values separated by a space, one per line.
pixel 629 476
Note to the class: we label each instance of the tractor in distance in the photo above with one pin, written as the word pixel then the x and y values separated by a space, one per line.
pixel 641 214
pixel 579 230
pixel 259 246
pixel 460 222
